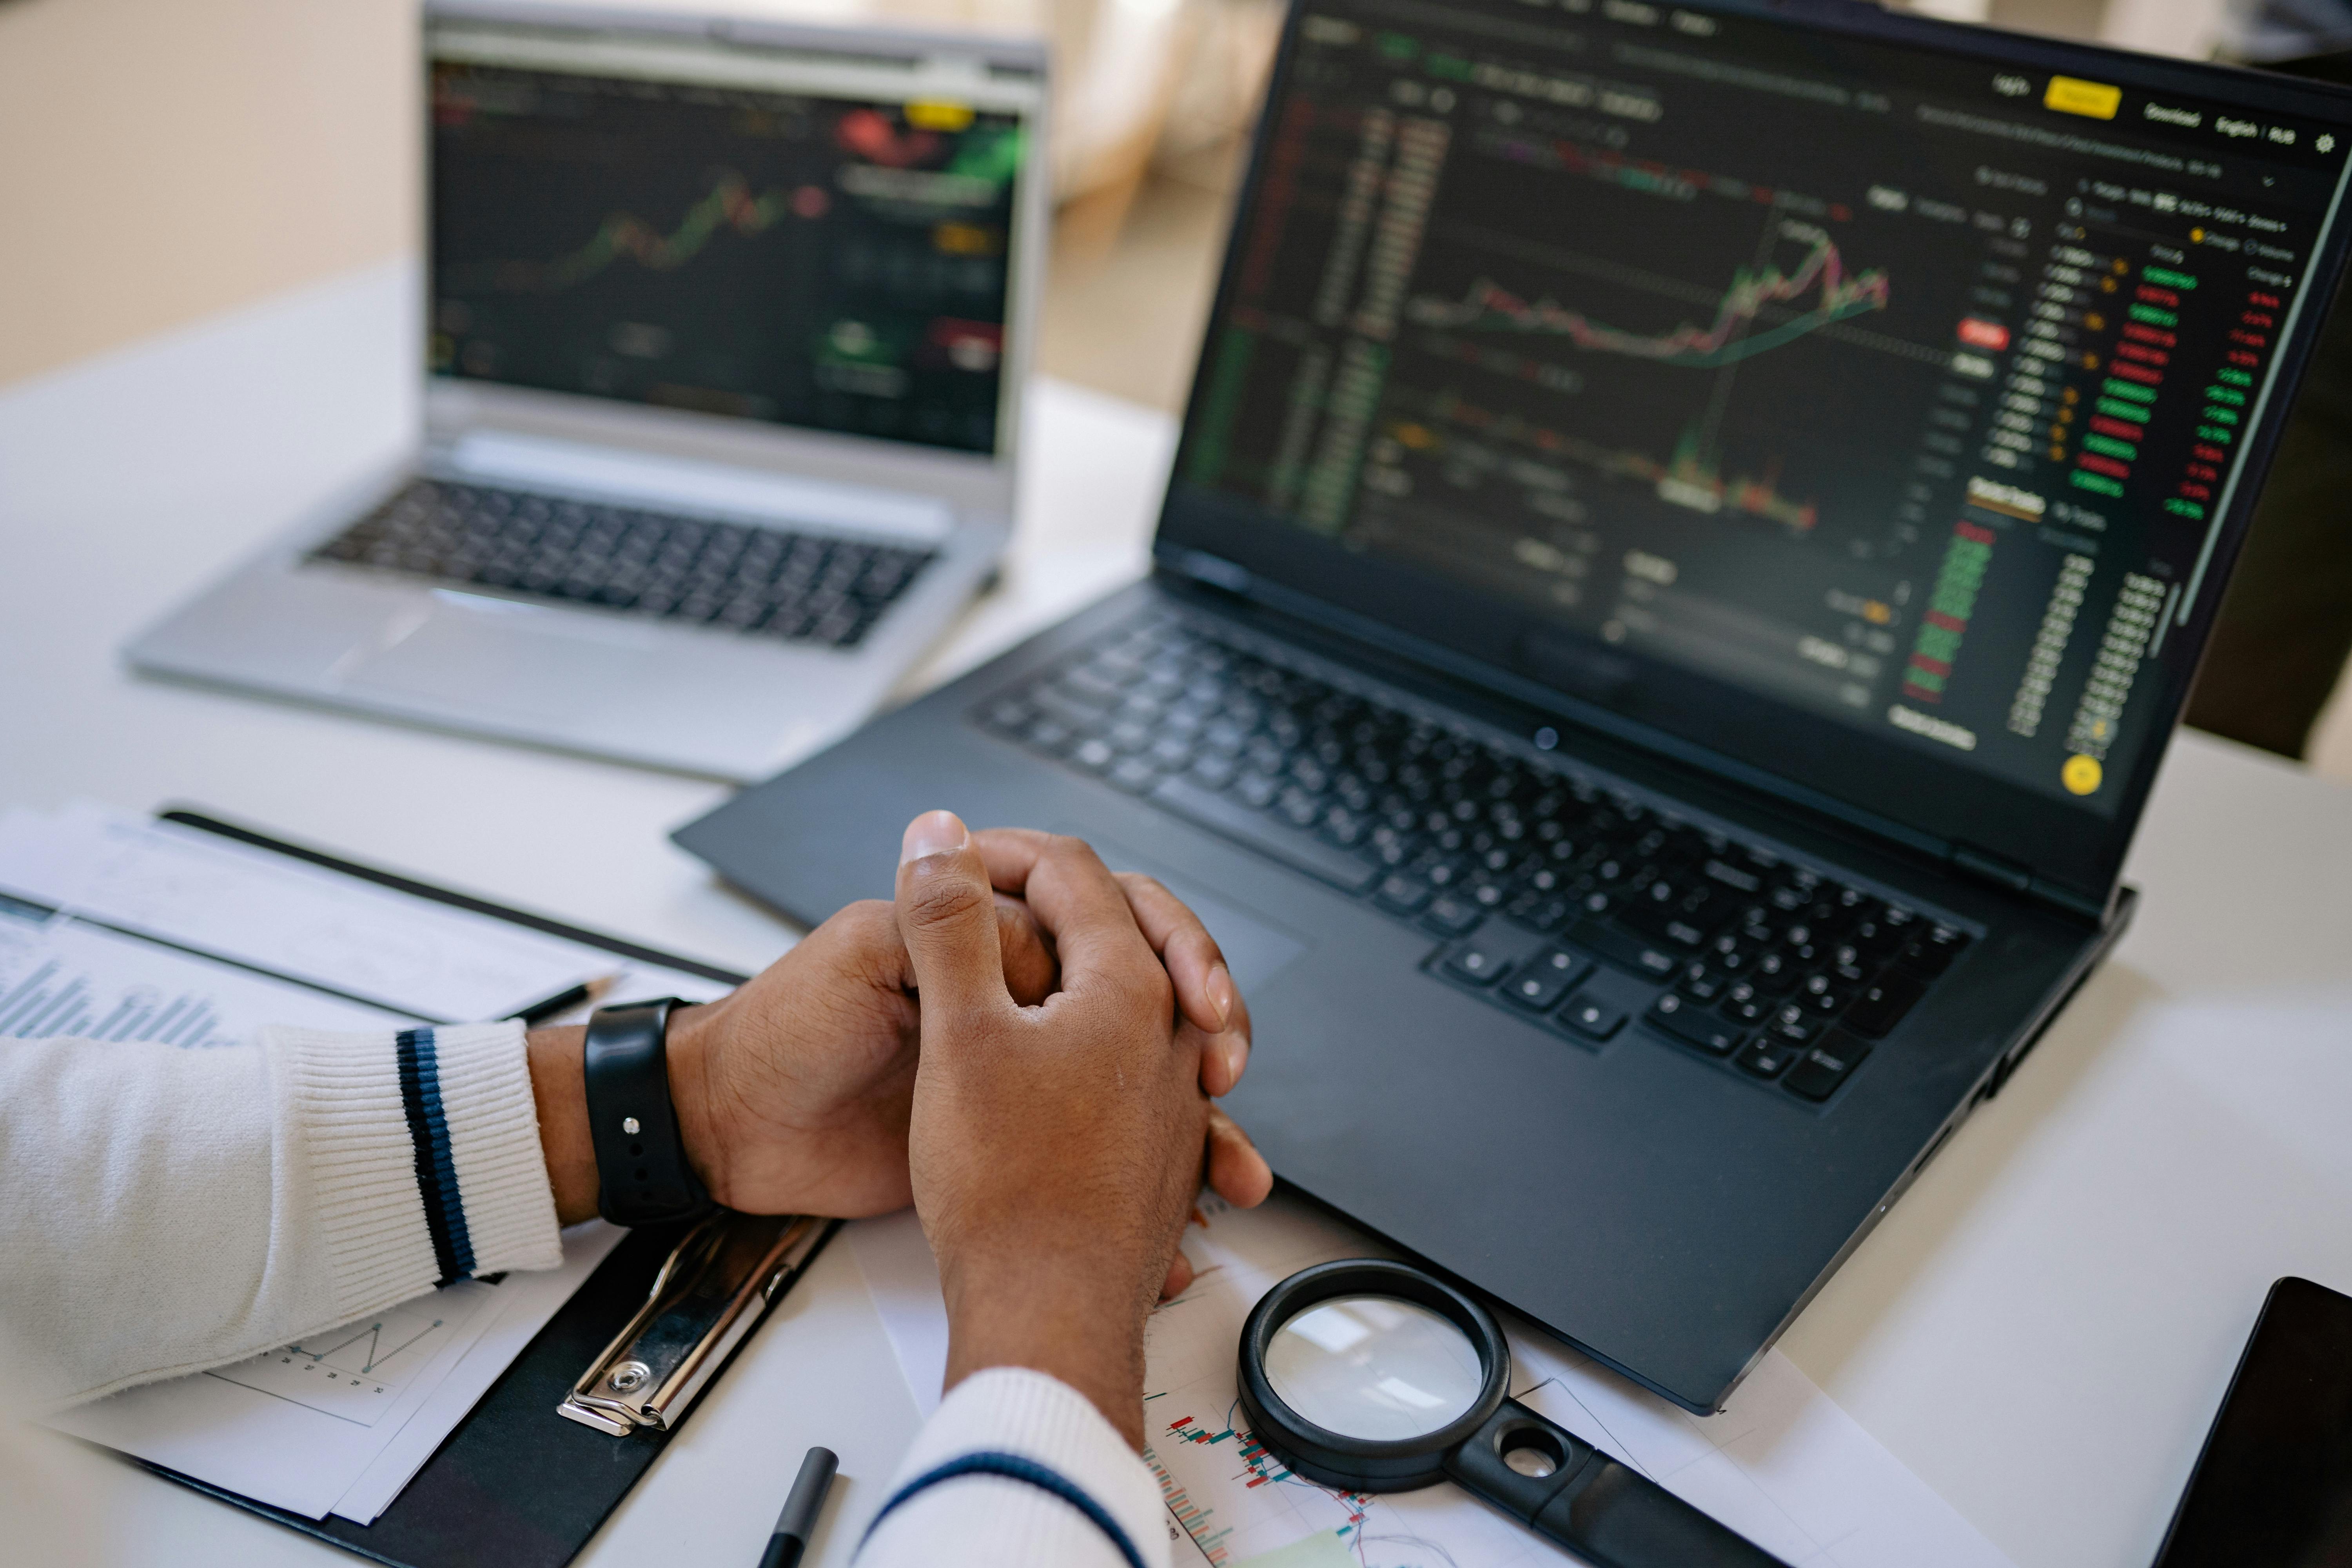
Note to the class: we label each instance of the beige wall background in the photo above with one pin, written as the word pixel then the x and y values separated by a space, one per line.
pixel 162 160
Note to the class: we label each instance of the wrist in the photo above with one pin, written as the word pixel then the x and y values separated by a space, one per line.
pixel 560 1093
pixel 1065 1316
pixel 691 1049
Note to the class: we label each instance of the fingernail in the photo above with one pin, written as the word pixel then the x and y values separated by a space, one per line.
pixel 1232 1052
pixel 1222 995
pixel 934 833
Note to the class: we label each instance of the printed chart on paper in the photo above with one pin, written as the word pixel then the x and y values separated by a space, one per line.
pixel 359 1370
pixel 1237 1503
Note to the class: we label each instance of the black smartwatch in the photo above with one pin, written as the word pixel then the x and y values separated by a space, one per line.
pixel 642 1174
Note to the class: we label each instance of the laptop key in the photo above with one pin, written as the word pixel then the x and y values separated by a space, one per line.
pixel 1663 923
pixel 1133 773
pixel 1882 1005
pixel 1825 1067
pixel 1823 995
pixel 1933 951
pixel 1625 949
pixel 1449 914
pixel 1402 894
pixel 1701 983
pixel 1477 962
pixel 1595 1017
pixel 1766 1058
pixel 1213 770
pixel 1540 984
pixel 1690 1023
pixel 1744 1003
pixel 1222 814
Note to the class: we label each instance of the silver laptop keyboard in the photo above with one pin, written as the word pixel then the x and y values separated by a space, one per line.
pixel 807 588
pixel 1584 908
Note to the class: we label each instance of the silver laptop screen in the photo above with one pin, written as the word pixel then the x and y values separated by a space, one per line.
pixel 790 237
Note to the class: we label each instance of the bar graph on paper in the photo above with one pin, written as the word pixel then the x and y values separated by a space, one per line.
pixel 62 978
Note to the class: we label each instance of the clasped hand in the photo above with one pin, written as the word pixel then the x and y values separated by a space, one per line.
pixel 1022 1045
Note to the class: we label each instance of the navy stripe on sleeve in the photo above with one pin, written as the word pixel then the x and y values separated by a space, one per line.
pixel 1013 1466
pixel 437 1169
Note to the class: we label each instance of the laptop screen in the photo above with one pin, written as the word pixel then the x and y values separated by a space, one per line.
pixel 1857 408
pixel 793 237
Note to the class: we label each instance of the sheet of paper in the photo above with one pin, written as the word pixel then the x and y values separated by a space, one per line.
pixel 1783 1466
pixel 411 955
pixel 352 1412
pixel 527 1310
pixel 903 1277
pixel 60 978
pixel 116 928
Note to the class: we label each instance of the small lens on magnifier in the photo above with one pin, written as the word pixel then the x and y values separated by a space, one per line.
pixel 1374 1368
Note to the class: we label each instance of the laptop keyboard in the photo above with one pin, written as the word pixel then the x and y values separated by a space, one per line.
pixel 807 588
pixel 1555 898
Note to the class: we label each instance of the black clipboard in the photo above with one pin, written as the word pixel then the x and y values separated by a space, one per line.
pixel 515 1485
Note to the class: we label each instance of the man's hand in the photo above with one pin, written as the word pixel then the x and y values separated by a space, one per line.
pixel 793 1091
pixel 1205 996
pixel 1054 1149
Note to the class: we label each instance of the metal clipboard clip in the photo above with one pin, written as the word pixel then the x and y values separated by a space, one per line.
pixel 715 1288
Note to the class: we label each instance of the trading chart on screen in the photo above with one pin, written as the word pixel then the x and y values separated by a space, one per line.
pixel 832 262
pixel 1896 388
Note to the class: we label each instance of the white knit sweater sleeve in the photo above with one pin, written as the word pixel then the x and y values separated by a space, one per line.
pixel 1017 1469
pixel 163 1210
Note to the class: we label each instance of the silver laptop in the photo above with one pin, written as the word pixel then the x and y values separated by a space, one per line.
pixel 726 330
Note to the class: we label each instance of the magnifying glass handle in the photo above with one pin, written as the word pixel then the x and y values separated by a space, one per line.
pixel 1589 1503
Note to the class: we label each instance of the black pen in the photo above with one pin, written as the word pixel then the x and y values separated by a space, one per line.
pixel 563 1001
pixel 798 1521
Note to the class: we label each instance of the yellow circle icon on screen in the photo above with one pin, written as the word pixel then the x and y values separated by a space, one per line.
pixel 2082 775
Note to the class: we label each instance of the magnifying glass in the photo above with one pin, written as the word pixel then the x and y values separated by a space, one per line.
pixel 1372 1376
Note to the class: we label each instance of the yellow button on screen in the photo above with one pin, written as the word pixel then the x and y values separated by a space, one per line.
pixel 2092 100
pixel 2082 775
pixel 933 114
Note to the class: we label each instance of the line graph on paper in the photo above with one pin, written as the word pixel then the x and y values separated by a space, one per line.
pixel 357 1370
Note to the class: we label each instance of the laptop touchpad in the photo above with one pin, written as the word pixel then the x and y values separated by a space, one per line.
pixel 505 659
pixel 1255 949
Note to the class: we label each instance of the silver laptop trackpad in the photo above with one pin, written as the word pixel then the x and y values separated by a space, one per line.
pixel 494 656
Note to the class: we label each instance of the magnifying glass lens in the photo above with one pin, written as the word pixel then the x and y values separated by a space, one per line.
pixel 1374 1367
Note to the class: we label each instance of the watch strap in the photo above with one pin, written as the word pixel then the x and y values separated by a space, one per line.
pixel 643 1176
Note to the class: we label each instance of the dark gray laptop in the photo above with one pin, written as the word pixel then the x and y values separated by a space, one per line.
pixel 1693 529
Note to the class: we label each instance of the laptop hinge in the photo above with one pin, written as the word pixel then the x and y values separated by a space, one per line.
pixel 1984 866
pixel 1203 567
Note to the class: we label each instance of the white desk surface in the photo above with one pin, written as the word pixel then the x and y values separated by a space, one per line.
pixel 2042 1329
